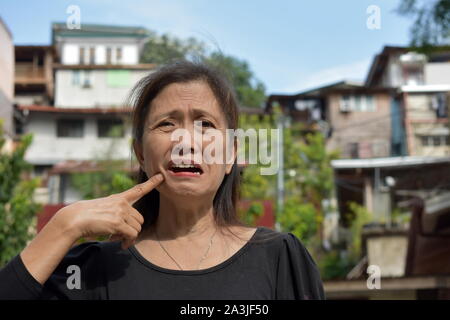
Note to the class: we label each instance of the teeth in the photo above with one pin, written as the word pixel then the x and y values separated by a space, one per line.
pixel 184 166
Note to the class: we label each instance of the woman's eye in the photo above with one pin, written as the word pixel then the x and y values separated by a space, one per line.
pixel 206 123
pixel 165 124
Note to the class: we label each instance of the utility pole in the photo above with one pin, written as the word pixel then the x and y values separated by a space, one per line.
pixel 280 173
pixel 448 114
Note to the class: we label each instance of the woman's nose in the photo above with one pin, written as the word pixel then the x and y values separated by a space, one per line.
pixel 190 142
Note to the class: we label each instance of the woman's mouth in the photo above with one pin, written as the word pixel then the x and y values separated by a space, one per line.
pixel 185 170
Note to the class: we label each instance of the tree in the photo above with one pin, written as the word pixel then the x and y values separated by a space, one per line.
pixel 250 92
pixel 431 25
pixel 17 207
pixel 164 49
pixel 308 179
pixel 254 186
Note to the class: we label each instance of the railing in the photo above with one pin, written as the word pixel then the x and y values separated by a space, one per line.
pixel 26 72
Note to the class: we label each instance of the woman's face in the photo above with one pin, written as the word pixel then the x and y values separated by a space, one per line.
pixel 177 106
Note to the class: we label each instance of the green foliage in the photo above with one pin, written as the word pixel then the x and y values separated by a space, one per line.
pixel 103 183
pixel 110 177
pixel 338 262
pixel 17 207
pixel 308 177
pixel 164 49
pixel 431 26
pixel 299 218
pixel 250 92
pixel 361 216
pixel 334 265
pixel 315 168
pixel 400 217
pixel 254 212
pixel 254 185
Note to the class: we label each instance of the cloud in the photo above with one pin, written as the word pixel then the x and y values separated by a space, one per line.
pixel 352 71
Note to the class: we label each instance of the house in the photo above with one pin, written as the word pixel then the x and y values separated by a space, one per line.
pixel 354 118
pixel 6 84
pixel 422 83
pixel 72 94
pixel 33 81
pixel 98 64
pixel 407 243
pixel 380 184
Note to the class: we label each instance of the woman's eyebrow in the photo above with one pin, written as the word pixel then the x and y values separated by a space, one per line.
pixel 168 114
pixel 197 112
pixel 179 113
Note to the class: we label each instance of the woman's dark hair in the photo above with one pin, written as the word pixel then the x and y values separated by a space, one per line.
pixel 140 98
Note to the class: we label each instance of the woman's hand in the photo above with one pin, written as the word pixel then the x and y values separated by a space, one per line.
pixel 112 215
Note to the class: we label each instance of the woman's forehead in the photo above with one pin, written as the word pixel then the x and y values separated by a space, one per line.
pixel 194 97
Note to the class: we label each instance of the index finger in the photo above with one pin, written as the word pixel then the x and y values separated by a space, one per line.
pixel 138 191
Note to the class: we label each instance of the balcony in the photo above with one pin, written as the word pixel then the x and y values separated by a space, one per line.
pixel 28 73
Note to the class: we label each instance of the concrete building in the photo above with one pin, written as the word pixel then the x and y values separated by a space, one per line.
pixel 6 84
pixel 98 64
pixel 95 86
pixel 72 108
pixel 422 83
pixel 355 119
pixel 33 82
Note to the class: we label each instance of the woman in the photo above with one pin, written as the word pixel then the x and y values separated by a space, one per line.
pixel 174 235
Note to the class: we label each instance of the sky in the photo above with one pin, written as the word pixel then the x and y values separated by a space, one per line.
pixel 290 45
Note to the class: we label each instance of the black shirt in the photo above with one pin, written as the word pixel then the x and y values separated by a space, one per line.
pixel 278 268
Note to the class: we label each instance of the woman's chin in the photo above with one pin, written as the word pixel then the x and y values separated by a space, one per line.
pixel 182 190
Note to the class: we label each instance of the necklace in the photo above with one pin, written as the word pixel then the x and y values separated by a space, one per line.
pixel 204 256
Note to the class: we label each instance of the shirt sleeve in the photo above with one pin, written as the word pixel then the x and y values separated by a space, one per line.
pixel 78 276
pixel 298 277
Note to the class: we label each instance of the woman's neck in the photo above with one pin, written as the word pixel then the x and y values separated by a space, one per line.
pixel 184 219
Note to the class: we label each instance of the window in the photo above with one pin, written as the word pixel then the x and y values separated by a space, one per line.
pixel 70 128
pixel 92 55
pixel 119 55
pixel 345 103
pixel 435 141
pixel 414 76
pixel 87 83
pixel 81 52
pixel 440 105
pixel 82 78
pixel 425 141
pixel 370 103
pixel 76 77
pixel 108 55
pixel 110 128
pixel 353 150
pixel 357 103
